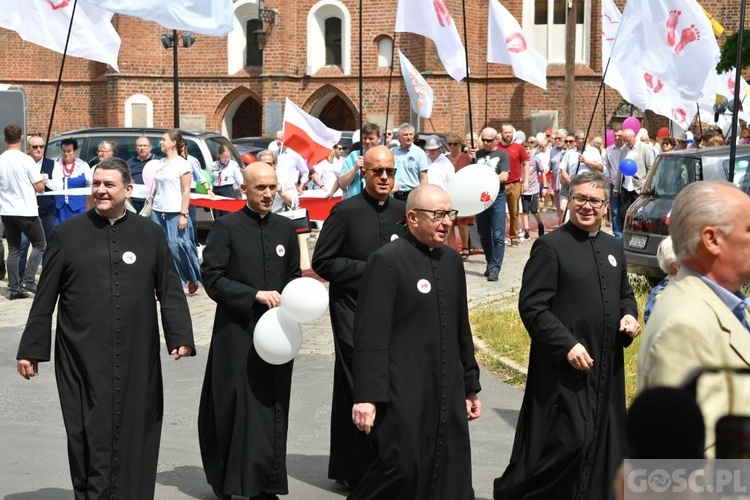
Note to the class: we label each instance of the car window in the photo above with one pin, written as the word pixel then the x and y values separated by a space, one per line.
pixel 195 150
pixel 213 144
pixel 741 177
pixel 671 174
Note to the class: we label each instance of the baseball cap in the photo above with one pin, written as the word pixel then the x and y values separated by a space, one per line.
pixel 548 132
pixel 663 132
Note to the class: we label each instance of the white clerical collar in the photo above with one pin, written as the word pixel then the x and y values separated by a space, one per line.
pixel 111 221
pixel 256 212
pixel 593 234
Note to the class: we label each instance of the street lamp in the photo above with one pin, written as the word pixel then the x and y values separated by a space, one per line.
pixel 264 16
pixel 170 41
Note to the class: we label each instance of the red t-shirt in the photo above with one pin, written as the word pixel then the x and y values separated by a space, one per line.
pixel 517 155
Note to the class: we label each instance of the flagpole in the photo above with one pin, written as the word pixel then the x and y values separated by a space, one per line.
pixel 361 105
pixel 468 84
pixel 486 89
pixel 604 113
pixel 390 81
pixel 737 80
pixel 59 78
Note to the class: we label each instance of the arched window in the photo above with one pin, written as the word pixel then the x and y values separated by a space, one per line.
pixel 139 111
pixel 333 40
pixel 385 51
pixel 544 24
pixel 328 36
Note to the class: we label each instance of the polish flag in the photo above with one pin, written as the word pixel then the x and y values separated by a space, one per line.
pixel 208 17
pixel 506 44
pixel 46 23
pixel 431 19
pixel 420 93
pixel 306 135
pixel 671 40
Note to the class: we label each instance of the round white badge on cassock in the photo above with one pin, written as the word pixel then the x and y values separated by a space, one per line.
pixel 394 237
pixel 128 258
pixel 613 261
pixel 280 250
pixel 424 286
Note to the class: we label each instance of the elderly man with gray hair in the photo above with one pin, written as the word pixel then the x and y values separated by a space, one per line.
pixel 701 319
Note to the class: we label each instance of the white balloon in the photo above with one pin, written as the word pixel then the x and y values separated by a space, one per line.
pixel 304 299
pixel 473 189
pixel 277 338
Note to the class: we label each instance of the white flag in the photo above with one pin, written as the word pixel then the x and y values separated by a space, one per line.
pixel 610 24
pixel 506 44
pixel 46 23
pixel 420 92
pixel 431 19
pixel 672 40
pixel 208 17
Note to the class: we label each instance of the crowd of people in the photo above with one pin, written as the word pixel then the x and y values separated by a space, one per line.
pixel 406 380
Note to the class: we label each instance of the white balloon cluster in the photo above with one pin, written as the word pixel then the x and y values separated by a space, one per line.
pixel 473 189
pixel 278 334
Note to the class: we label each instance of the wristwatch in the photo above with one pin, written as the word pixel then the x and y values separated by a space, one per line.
pixel 185 215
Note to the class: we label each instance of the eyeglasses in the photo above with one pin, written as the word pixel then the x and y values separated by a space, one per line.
pixel 37 147
pixel 439 215
pixel 569 141
pixel 378 172
pixel 339 147
pixel 594 202
pixel 559 138
pixel 453 144
pixel 484 139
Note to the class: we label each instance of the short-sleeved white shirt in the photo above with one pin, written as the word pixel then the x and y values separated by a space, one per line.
pixel 168 197
pixel 18 174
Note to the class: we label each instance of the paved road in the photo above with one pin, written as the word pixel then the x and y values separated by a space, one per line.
pixel 33 463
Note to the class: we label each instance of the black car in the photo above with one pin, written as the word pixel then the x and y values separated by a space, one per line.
pixel 647 220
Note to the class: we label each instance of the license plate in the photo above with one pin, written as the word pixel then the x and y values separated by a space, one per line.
pixel 638 242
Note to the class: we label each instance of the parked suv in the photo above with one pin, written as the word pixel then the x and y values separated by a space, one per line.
pixel 647 220
pixel 202 145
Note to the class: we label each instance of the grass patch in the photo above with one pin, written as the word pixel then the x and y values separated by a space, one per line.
pixel 499 326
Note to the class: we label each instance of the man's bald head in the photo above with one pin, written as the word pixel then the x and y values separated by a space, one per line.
pixel 488 138
pixel 259 186
pixel 379 172
pixel 424 205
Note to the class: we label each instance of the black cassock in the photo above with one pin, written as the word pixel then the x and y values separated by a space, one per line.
pixel 571 430
pixel 107 346
pixel 414 358
pixel 355 229
pixel 244 408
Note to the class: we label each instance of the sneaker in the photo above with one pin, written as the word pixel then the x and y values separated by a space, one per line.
pixel 29 287
pixel 526 235
pixel 514 244
pixel 17 295
pixel 492 276
pixel 507 241
pixel 541 230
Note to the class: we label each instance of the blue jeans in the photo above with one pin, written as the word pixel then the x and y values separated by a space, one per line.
pixel 614 206
pixel 491 228
pixel 180 244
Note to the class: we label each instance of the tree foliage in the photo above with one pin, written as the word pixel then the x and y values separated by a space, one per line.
pixel 728 58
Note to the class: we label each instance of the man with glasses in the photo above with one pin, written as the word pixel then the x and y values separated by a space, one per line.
pixel 355 228
pixel 142 156
pixel 491 222
pixel 629 186
pixel 415 376
pixel 250 256
pixel 580 312
pixel 612 171
pixel 579 158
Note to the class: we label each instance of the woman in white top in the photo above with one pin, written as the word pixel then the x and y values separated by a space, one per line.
pixel 327 171
pixel 170 207
pixel 226 177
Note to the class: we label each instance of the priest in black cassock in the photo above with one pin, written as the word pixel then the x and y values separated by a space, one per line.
pixel 415 375
pixel 355 228
pixel 249 258
pixel 105 267
pixel 580 312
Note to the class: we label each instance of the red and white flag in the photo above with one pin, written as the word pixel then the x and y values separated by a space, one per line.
pixel 506 44
pixel 208 17
pixel 46 23
pixel 431 19
pixel 671 40
pixel 306 135
pixel 420 93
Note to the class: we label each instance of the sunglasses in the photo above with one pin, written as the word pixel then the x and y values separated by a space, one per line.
pixel 569 141
pixel 36 147
pixel 453 143
pixel 487 140
pixel 391 172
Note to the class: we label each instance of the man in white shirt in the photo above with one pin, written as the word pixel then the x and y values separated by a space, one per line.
pixel 612 171
pixel 20 180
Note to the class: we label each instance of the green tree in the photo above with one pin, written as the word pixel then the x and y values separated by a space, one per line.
pixel 728 58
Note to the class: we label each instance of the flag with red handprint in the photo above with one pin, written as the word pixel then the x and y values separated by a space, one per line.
pixel 506 44
pixel 431 19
